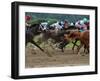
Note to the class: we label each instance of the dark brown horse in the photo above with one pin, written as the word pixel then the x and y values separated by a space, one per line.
pixel 30 33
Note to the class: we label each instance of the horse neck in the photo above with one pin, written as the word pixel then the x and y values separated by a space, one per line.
pixel 79 34
pixel 35 30
pixel 75 35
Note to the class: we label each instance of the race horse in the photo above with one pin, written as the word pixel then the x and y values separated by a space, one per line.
pixel 82 36
pixel 31 32
pixel 66 42
pixel 57 35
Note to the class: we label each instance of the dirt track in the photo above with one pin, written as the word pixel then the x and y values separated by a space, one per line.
pixel 36 58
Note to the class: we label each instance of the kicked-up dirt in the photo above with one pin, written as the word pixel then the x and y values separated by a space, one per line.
pixel 54 57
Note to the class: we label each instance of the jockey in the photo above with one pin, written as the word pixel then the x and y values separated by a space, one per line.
pixel 44 25
pixel 66 24
pixel 61 24
pixel 27 19
pixel 81 25
pixel 86 22
pixel 58 25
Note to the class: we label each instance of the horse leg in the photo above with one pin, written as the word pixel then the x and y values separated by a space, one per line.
pixel 46 49
pixel 62 50
pixel 32 50
pixel 50 44
pixel 44 45
pixel 33 42
pixel 74 44
pixel 63 45
pixel 78 49
pixel 26 41
pixel 87 50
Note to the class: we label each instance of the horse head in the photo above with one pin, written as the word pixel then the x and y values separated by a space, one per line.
pixel 35 29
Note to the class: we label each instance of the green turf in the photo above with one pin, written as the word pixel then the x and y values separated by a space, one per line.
pixel 70 45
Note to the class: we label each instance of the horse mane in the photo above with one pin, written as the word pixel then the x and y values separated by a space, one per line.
pixel 62 33
pixel 34 25
pixel 75 34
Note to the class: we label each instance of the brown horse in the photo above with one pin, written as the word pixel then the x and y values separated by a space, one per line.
pixel 82 36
